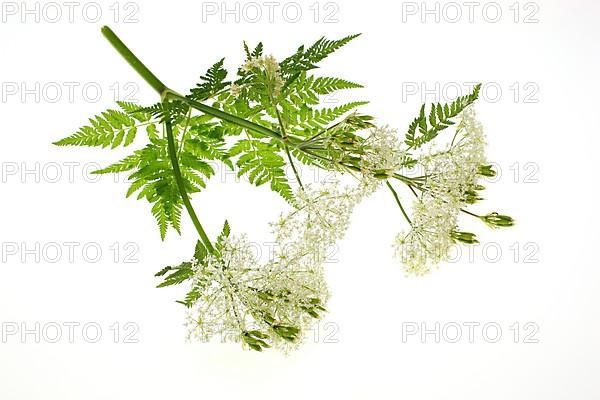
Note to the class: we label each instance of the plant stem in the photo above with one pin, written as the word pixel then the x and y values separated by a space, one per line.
pixel 284 138
pixel 181 187
pixel 162 90
pixel 289 156
pixel 398 201
pixel 470 213
pixel 185 131
pixel 225 116
pixel 135 62
pixel 412 190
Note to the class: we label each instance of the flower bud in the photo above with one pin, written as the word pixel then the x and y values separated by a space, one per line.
pixel 471 197
pixel 464 237
pixel 382 174
pixel 496 220
pixel 486 170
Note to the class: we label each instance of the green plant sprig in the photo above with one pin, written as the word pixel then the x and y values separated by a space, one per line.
pixel 269 117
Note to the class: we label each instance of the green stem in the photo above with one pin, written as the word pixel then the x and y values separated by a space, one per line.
pixel 470 213
pixel 284 138
pixel 398 201
pixel 412 190
pixel 280 120
pixel 289 156
pixel 163 90
pixel 135 62
pixel 225 116
pixel 185 131
pixel 181 187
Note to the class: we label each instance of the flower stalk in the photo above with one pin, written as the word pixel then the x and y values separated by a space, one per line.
pixel 180 185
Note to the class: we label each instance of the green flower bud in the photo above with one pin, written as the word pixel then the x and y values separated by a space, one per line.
pixel 464 237
pixel 286 332
pixel 496 220
pixel 487 170
pixel 472 196
pixel 256 334
pixel 265 295
pixel 254 340
pixel 382 174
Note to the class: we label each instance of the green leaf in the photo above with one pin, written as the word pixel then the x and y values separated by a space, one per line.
pixel 211 83
pixel 177 275
pixel 200 251
pixel 439 118
pixel 306 59
pixel 306 89
pixel 261 163
pixel 134 110
pixel 257 52
pixel 105 130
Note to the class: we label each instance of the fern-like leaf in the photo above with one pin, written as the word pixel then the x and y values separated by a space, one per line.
pixel 304 121
pixel 152 178
pixel 134 110
pixel 176 275
pixel 211 83
pixel 306 59
pixel 261 163
pixel 429 125
pixel 257 52
pixel 109 129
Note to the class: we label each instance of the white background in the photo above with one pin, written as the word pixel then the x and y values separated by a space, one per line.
pixel 359 352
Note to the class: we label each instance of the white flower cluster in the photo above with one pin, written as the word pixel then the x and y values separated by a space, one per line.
pixel 452 174
pixel 451 178
pixel 383 152
pixel 275 303
pixel 321 217
pixel 429 240
pixel 240 298
pixel 270 67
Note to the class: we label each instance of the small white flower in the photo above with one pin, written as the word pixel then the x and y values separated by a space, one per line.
pixel 270 65
pixel 251 63
pixel 235 90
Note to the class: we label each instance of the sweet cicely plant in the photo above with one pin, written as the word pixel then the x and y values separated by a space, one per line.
pixel 266 118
